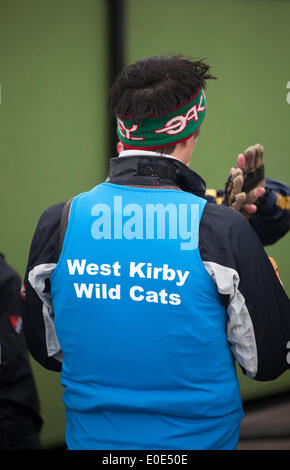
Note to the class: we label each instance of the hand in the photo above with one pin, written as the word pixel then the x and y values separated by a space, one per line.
pixel 246 183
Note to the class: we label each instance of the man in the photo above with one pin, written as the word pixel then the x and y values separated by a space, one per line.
pixel 20 422
pixel 153 292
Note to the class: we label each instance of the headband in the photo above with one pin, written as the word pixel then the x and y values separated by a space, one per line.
pixel 160 131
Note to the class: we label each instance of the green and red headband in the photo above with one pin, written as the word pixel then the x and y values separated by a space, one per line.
pixel 178 125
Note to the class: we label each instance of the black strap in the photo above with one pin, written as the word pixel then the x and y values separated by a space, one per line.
pixel 253 179
pixel 63 223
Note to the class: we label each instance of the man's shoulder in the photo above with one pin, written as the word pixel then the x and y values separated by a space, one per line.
pixel 223 233
pixel 222 217
pixel 45 242
pixel 51 214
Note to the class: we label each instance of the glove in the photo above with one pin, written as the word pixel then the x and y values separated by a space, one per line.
pixel 246 183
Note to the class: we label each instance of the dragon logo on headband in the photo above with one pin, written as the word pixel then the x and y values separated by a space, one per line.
pixel 178 123
pixel 125 132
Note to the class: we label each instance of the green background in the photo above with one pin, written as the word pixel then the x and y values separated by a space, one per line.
pixel 53 116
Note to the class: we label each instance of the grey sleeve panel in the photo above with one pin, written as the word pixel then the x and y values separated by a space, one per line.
pixel 38 317
pixel 240 330
pixel 37 278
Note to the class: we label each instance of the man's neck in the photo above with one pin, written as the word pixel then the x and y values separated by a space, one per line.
pixel 132 153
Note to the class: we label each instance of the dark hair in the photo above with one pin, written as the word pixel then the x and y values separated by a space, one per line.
pixel 156 85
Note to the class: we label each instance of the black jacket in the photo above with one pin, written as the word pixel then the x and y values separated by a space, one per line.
pixel 258 308
pixel 19 404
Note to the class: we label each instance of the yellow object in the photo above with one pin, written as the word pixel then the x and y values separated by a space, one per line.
pixel 275 266
pixel 283 201
pixel 211 192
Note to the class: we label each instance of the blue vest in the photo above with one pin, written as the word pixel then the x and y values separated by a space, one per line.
pixel 147 364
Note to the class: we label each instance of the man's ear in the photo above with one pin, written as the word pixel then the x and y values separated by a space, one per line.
pixel 120 147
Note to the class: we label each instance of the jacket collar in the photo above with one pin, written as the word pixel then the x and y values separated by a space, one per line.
pixel 154 170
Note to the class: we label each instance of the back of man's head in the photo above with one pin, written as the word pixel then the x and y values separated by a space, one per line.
pixel 156 85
